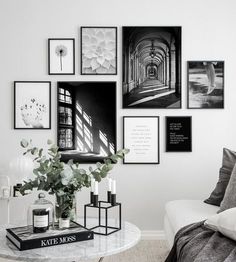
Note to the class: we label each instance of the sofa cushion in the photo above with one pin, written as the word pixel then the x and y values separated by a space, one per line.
pixel 229 200
pixel 228 162
pixel 181 213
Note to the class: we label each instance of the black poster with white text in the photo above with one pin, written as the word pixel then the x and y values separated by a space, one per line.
pixel 178 134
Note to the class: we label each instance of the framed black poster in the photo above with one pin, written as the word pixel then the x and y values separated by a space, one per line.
pixel 86 120
pixel 141 137
pixel 178 134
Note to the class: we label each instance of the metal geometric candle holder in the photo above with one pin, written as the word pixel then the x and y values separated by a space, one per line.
pixel 106 227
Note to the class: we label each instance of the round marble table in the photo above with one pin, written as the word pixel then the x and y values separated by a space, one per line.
pixel 99 247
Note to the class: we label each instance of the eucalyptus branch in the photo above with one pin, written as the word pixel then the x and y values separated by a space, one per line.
pixel 56 177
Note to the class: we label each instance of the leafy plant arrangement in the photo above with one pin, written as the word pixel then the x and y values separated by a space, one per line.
pixel 63 179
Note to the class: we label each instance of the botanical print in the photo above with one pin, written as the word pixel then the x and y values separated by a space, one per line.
pixel 205 84
pixel 61 51
pixel 98 50
pixel 32 105
pixel 151 67
pixel 61 56
pixel 33 112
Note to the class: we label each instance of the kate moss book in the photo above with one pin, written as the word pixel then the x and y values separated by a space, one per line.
pixel 24 238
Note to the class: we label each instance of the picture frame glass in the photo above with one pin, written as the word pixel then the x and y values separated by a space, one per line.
pixel 178 134
pixel 86 120
pixel 32 105
pixel 205 84
pixel 98 50
pixel 141 137
pixel 61 56
pixel 151 67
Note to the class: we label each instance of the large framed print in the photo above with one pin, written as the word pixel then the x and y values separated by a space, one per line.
pixel 178 134
pixel 98 50
pixel 61 56
pixel 151 67
pixel 86 120
pixel 32 105
pixel 141 137
pixel 205 84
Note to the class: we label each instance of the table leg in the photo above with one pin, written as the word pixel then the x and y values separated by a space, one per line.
pixel 100 259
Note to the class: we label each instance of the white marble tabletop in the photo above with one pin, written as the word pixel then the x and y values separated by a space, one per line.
pixel 100 246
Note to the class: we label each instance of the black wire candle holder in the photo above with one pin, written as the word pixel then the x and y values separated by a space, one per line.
pixel 105 227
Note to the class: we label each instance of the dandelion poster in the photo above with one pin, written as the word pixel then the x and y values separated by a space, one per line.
pixel 99 50
pixel 32 105
pixel 61 57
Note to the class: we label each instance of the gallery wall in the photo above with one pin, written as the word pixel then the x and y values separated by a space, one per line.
pixel 207 34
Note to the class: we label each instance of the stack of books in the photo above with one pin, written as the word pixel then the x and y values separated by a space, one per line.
pixel 24 238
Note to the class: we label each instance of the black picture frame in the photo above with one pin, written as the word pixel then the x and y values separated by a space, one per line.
pixel 157 134
pixel 81 49
pixel 99 100
pixel 34 105
pixel 199 86
pixel 72 63
pixel 166 91
pixel 178 133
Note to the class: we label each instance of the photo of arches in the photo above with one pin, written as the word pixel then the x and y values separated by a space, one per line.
pixel 151 67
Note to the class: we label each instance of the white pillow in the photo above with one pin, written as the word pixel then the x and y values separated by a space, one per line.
pixel 224 222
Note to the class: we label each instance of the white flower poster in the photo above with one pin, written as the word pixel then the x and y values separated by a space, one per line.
pixel 99 50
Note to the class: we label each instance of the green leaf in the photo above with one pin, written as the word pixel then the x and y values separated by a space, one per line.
pixel 82 171
pixel 40 152
pixel 24 143
pixel 99 165
pixel 34 151
pixel 70 162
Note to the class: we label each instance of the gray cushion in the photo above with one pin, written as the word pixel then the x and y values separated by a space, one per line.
pixel 228 162
pixel 229 200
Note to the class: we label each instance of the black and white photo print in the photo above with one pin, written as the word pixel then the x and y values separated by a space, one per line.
pixel 86 120
pixel 32 105
pixel 206 84
pixel 61 56
pixel 98 50
pixel 152 67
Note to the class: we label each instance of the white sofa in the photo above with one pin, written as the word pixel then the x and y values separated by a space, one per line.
pixel 179 213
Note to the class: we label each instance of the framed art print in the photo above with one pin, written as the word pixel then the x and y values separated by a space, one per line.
pixel 32 105
pixel 141 137
pixel 178 134
pixel 151 67
pixel 86 120
pixel 205 84
pixel 61 56
pixel 98 50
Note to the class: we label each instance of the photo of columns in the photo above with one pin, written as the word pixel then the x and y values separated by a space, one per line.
pixel 151 67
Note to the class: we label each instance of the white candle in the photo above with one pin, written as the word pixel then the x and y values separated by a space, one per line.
pixel 92 184
pixel 96 188
pixel 113 190
pixel 109 184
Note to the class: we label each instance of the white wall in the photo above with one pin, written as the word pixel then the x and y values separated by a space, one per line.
pixel 207 33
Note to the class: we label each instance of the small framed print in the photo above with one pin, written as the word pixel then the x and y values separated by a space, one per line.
pixel 205 84
pixel 32 105
pixel 98 50
pixel 178 134
pixel 61 56
pixel 141 136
